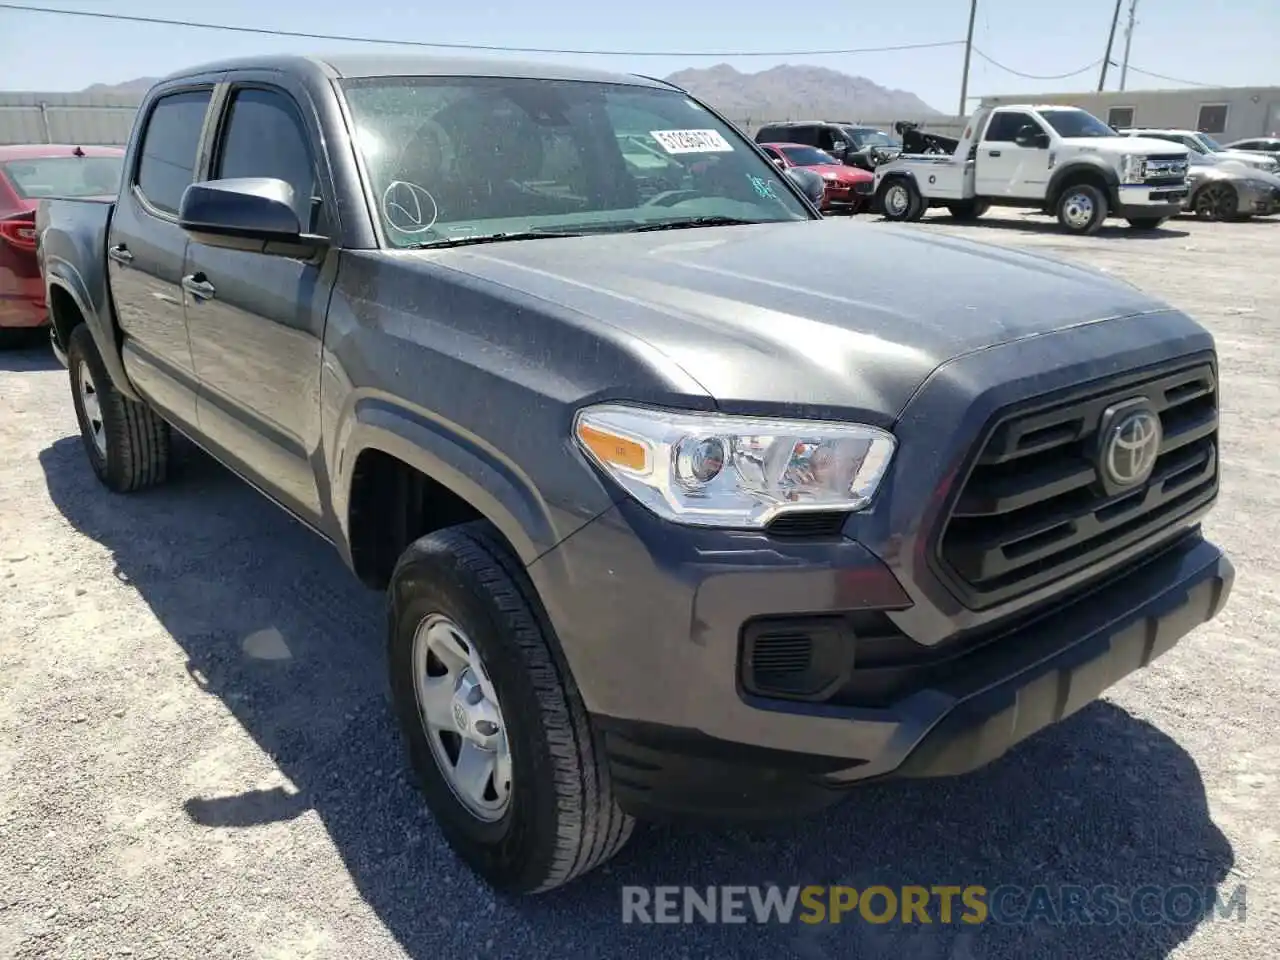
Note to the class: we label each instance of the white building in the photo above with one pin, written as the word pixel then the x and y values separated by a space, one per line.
pixel 1225 113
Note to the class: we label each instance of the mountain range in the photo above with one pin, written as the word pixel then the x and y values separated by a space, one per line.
pixel 778 93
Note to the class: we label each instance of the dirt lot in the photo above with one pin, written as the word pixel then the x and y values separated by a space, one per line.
pixel 197 758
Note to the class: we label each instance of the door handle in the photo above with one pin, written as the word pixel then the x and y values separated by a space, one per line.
pixel 993 153
pixel 120 254
pixel 196 285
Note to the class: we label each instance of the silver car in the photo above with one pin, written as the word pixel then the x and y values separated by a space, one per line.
pixel 1227 190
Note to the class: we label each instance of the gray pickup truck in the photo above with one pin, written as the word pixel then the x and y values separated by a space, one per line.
pixel 685 500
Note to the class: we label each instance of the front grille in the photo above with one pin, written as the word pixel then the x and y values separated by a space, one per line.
pixel 1164 171
pixel 1033 507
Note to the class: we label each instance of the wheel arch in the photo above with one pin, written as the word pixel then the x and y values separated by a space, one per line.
pixel 1090 170
pixel 401 475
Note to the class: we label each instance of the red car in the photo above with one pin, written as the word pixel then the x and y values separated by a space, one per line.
pixel 846 187
pixel 27 175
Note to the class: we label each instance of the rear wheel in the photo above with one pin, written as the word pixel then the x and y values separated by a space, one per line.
pixel 504 749
pixel 900 200
pixel 127 443
pixel 1217 201
pixel 1082 208
pixel 966 210
pixel 1146 223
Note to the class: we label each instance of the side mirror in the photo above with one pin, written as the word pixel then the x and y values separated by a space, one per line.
pixel 809 183
pixel 1030 136
pixel 253 214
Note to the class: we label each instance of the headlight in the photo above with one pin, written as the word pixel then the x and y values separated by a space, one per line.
pixel 830 177
pixel 710 470
pixel 1131 168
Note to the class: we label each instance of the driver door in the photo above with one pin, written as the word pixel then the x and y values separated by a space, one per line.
pixel 1005 168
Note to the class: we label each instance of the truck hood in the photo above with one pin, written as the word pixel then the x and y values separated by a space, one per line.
pixel 825 315
pixel 1146 146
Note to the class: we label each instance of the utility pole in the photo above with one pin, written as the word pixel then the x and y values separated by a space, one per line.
pixel 1128 41
pixel 968 50
pixel 1111 39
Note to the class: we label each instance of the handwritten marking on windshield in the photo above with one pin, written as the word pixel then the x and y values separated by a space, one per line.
pixel 405 206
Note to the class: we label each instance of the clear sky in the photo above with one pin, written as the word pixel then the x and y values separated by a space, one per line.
pixel 1223 43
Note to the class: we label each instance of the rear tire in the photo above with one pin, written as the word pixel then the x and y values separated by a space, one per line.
pixel 968 210
pixel 1082 208
pixel 1146 223
pixel 899 200
pixel 127 443
pixel 556 818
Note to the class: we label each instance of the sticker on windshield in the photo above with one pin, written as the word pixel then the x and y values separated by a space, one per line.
pixel 692 141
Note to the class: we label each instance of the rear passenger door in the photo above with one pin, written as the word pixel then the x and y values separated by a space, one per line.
pixel 145 251
pixel 257 321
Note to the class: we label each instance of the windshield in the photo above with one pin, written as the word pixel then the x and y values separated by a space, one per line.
pixel 465 158
pixel 64 176
pixel 807 156
pixel 1209 143
pixel 1076 123
pixel 867 137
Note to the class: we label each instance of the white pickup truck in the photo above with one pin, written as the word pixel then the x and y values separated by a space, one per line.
pixel 1061 160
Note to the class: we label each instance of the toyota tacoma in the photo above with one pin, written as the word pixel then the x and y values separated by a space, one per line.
pixel 685 500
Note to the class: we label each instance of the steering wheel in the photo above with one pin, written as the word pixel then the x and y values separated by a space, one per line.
pixel 669 198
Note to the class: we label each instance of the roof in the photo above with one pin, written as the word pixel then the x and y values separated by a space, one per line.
pixel 39 151
pixel 361 65
pixel 784 143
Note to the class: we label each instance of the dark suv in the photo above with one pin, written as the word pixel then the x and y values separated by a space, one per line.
pixel 855 145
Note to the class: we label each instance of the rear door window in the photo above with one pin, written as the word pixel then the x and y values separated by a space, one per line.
pixel 169 146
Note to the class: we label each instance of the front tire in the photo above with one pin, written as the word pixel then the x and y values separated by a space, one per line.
pixel 900 200
pixel 1082 208
pixel 1146 223
pixel 127 443
pixel 491 680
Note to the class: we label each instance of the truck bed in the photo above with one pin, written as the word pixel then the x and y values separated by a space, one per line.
pixel 71 243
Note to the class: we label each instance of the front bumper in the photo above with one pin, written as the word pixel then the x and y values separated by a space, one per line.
pixel 963 711
pixel 1142 201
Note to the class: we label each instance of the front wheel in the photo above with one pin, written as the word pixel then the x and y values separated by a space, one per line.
pixel 503 747
pixel 900 200
pixel 1217 201
pixel 1082 208
pixel 1146 223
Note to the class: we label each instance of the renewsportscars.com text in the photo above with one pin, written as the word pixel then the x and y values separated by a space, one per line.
pixel 938 904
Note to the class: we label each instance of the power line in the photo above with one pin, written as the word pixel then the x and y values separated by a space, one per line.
pixel 490 47
pixel 1038 76
pixel 1161 76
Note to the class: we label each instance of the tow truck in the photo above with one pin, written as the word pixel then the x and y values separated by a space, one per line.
pixel 1060 160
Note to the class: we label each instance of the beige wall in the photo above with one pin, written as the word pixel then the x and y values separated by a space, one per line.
pixel 1251 111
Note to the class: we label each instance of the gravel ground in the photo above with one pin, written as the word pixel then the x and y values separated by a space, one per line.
pixel 197 757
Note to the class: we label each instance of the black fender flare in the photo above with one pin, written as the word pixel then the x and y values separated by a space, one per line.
pixel 60 274
pixel 498 489
pixel 1087 164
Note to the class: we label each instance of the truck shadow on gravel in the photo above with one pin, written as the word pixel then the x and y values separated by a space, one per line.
pixel 277 629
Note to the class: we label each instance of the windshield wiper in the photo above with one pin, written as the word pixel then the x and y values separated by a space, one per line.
pixel 686 223
pixel 492 238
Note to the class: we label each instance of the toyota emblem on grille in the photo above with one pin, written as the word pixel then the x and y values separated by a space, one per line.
pixel 1131 446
